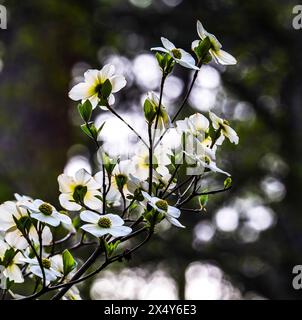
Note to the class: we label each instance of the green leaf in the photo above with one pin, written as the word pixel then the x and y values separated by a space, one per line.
pixel 8 256
pixel 79 193
pixel 160 59
pixel 90 130
pixel 227 183
pixel 108 163
pixel 111 247
pixel 85 110
pixel 101 127
pixel 68 262
pixel 203 200
pixel 106 89
pixel 203 48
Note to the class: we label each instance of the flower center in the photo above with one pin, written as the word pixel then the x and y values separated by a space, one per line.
pixel 79 193
pixel 46 263
pixel 162 204
pixel 46 209
pixel 105 222
pixel 176 53
pixel 98 88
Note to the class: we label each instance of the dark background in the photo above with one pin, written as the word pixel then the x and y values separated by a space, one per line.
pixel 46 39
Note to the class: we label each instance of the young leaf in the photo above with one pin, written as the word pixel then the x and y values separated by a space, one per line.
pixel 85 110
pixel 227 183
pixel 106 89
pixel 90 130
pixel 68 262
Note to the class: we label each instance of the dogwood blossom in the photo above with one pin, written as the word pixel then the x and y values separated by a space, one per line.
pixel 91 88
pixel 9 211
pixel 81 187
pixel 197 124
pixel 223 125
pixel 46 213
pixel 11 262
pixel 50 266
pixel 219 55
pixel 162 206
pixel 100 225
pixel 179 55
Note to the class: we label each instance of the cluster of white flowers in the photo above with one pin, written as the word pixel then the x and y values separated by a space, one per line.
pixel 109 206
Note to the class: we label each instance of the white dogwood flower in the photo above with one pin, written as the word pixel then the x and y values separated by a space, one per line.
pixel 223 125
pixel 9 211
pixel 162 206
pixel 51 269
pixel 197 124
pixel 219 55
pixel 203 157
pixel 179 55
pixel 46 213
pixel 100 225
pixel 10 270
pixel 91 88
pixel 81 187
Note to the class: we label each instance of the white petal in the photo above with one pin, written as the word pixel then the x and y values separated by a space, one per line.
pixel 216 121
pixel 81 91
pixel 67 202
pixel 14 273
pixel 118 82
pixel 106 72
pixel 46 236
pixel 49 275
pixel 200 30
pixel 224 58
pixel 66 183
pixel 231 134
pixel 18 258
pixel 175 222
pixel 94 100
pixel 195 44
pixel 119 231
pixel 147 196
pixel 3 247
pixel 62 217
pixel 200 122
pixel 111 100
pixel 173 212
pixel 91 201
pixel 160 49
pixel 90 216
pixel 167 44
pixel 95 230
pixel 115 219
pixel 92 76
pixel 46 219
pixel 212 166
pixel 15 239
pixel 93 184
pixel 82 177
pixel 186 65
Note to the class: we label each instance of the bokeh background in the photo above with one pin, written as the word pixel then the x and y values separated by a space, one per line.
pixel 246 244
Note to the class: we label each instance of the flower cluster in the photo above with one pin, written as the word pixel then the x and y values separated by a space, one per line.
pixel 126 197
